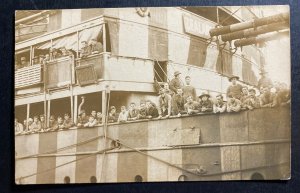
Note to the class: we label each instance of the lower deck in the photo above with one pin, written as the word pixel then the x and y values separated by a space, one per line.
pixel 230 146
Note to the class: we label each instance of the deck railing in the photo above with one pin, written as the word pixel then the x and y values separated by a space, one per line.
pixel 28 76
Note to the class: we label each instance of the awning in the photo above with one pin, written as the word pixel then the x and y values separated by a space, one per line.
pixel 70 41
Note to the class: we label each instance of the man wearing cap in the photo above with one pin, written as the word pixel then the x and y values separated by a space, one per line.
pixel 233 104
pixel 178 103
pixel 235 89
pixel 95 47
pixel 205 104
pixel 264 81
pixel 175 83
pixel 85 51
pixel 220 105
pixel 188 90
pixel 191 107
pixel 24 62
pixel 164 104
pixel 252 101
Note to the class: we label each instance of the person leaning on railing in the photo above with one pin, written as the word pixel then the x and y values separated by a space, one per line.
pixel 191 107
pixel 85 50
pixel 164 104
pixel 220 105
pixel 151 110
pixel 205 104
pixel 123 115
pixel 18 127
pixel 233 104
pixel 178 102
pixel 94 47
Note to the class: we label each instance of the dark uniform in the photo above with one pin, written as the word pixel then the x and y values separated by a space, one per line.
pixel 208 105
pixel 189 90
pixel 177 104
pixel 235 90
pixel 164 105
pixel 152 111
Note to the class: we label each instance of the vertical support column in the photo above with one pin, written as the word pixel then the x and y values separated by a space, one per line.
pixel 27 115
pixel 72 108
pixel 75 115
pixel 104 37
pixel 30 56
pixel 104 105
pixel 77 49
pixel 48 112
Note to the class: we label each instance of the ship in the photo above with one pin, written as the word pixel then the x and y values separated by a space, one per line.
pixel 142 48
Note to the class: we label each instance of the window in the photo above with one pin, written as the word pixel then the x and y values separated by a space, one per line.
pixel 257 176
pixel 138 178
pixel 182 178
pixel 93 179
pixel 67 180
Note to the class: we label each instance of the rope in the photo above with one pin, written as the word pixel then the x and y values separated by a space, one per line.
pixel 60 149
pixel 58 166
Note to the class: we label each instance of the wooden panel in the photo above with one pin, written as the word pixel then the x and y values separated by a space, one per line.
pixel 94 60
pixel 28 76
pixel 86 75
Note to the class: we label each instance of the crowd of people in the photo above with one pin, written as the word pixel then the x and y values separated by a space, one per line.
pixel 87 48
pixel 174 100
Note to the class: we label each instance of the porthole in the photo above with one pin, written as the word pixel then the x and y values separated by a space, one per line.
pixel 67 180
pixel 93 179
pixel 182 178
pixel 138 178
pixel 257 176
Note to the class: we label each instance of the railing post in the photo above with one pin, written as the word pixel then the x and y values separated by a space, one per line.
pixel 27 115
pixel 75 109
pixel 48 112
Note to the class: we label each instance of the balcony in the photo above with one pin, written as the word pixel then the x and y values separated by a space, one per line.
pixel 28 76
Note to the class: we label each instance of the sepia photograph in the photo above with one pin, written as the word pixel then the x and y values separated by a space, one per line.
pixel 152 94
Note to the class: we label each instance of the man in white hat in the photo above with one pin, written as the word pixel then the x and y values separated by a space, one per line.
pixel 175 83
pixel 235 89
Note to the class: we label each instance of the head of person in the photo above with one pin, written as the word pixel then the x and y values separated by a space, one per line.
pixel 42 57
pixel 42 118
pixel 162 92
pixel 59 120
pixel 63 50
pixel 112 109
pixel 91 118
pixel 123 109
pixel 179 91
pixel 177 74
pixel 51 119
pixel 93 113
pixel 82 113
pixel 142 104
pixel 99 115
pixel 93 41
pixel 47 56
pixel 219 98
pixel 252 92
pixel 36 60
pixel 25 122
pixel 132 105
pixel 245 90
pixel 234 79
pixel 35 119
pixel 54 51
pixel 187 80
pixel 204 96
pixel 166 86
pixel 266 89
pixel 66 116
pixel 148 103
pixel 84 44
pixel 30 121
pixel 189 99
pixel 23 60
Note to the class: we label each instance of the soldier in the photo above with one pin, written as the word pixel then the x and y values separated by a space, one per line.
pixel 43 123
pixel 36 125
pixel 84 52
pixel 178 103
pixel 82 119
pixel 151 111
pixel 188 90
pixel 18 127
pixel 191 107
pixel 264 81
pixel 68 123
pixel 112 115
pixel 235 89
pixel 24 62
pixel 267 99
pixel 142 110
pixel 233 104
pixel 252 101
pixel 91 122
pixel 133 112
pixel 164 104
pixel 205 105
pixel 95 46
pixel 123 116
pixel 99 117
pixel 220 105
pixel 175 83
